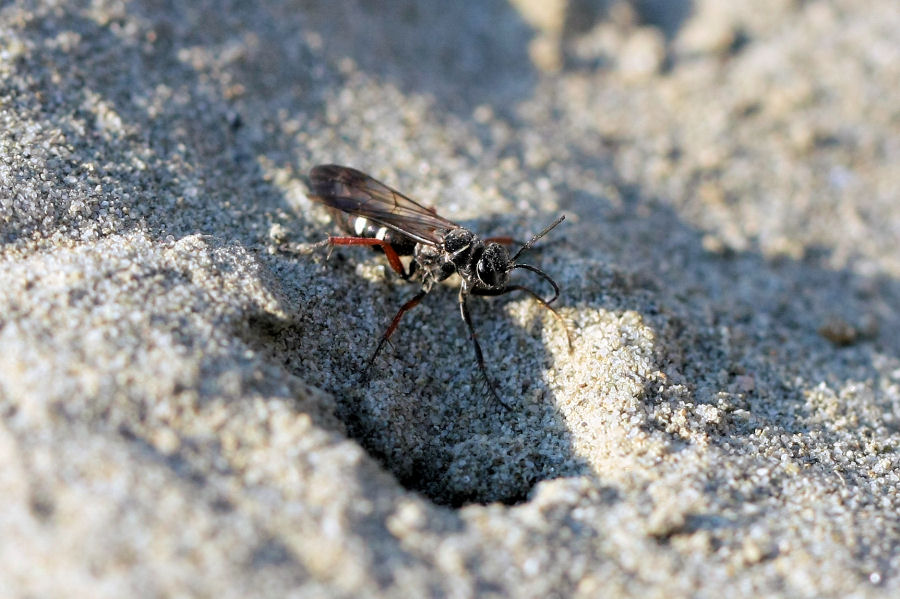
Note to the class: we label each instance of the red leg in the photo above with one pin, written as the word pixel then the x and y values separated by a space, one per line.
pixel 393 326
pixel 393 258
pixel 503 240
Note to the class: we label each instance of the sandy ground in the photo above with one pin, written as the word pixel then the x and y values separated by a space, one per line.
pixel 181 410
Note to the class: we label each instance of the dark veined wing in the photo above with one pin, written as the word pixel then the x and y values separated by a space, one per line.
pixel 355 192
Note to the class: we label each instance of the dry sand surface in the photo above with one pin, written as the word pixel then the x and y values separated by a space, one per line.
pixel 181 408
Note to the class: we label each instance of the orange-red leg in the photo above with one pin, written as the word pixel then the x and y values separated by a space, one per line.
pixel 389 252
pixel 393 326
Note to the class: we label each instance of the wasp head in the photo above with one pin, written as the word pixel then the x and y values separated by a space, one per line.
pixel 493 266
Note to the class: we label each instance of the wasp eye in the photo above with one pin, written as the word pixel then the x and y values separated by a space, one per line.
pixel 493 267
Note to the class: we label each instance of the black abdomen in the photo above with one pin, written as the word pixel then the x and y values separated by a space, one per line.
pixel 360 226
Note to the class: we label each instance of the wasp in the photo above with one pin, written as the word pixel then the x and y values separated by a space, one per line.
pixel 373 214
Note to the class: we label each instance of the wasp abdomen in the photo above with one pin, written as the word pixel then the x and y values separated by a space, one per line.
pixel 360 226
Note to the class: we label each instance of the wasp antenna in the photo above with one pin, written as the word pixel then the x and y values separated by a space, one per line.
pixel 545 276
pixel 534 239
pixel 562 320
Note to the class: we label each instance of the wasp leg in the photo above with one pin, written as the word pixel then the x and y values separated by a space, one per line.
pixel 389 251
pixel 412 303
pixel 479 357
pixel 536 297
pixel 502 240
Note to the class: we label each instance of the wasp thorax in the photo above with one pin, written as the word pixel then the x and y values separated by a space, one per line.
pixel 493 266
pixel 458 240
pixel 459 244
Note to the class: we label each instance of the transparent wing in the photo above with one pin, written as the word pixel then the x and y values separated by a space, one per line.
pixel 355 192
